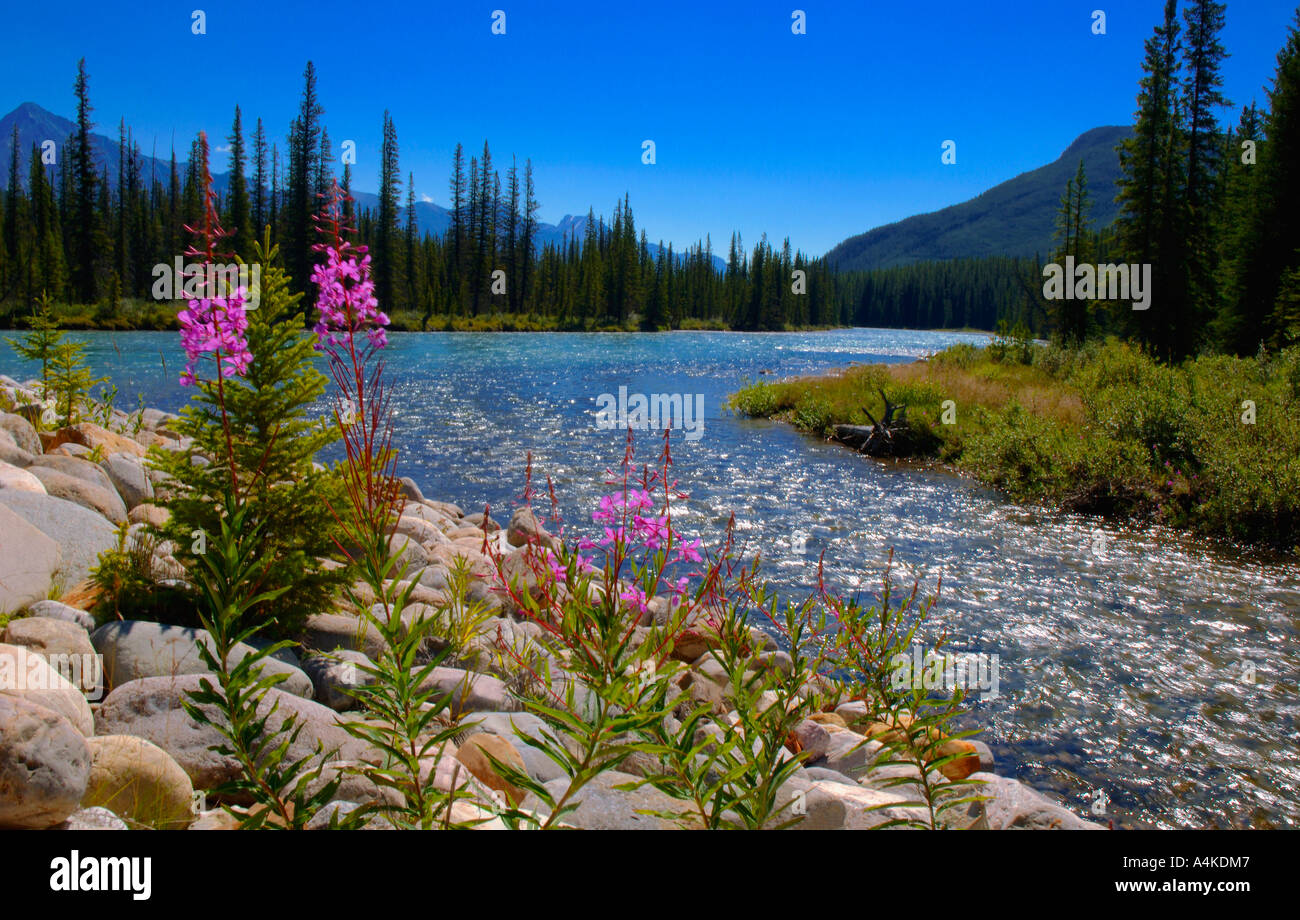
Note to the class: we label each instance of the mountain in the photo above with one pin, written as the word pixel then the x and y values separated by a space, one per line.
pixel 36 125
pixel 1015 218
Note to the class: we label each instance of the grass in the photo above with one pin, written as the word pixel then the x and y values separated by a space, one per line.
pixel 1103 429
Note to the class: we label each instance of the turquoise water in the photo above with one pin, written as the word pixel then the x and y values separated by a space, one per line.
pixel 1119 672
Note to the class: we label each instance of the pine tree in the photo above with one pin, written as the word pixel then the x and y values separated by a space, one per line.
pixel 390 182
pixel 300 200
pixel 276 440
pixel 1151 167
pixel 259 181
pixel 241 233
pixel 1203 57
pixel 81 160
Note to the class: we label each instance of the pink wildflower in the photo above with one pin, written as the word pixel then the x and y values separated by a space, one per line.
pixel 215 325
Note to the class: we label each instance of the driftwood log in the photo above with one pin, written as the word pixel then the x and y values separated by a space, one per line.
pixel 884 438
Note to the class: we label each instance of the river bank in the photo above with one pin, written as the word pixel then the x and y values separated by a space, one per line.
pixel 112 746
pixel 1211 446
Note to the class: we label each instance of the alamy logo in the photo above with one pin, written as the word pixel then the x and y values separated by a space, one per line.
pixel 968 671
pixel 654 412
pixel 21 669
pixel 103 873
pixel 1098 282
pixel 172 282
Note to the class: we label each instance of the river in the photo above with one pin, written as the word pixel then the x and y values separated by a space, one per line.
pixel 1122 672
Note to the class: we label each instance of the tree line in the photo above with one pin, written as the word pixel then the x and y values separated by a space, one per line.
pixel 89 237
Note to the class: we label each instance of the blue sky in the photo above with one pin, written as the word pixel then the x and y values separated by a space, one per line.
pixel 816 137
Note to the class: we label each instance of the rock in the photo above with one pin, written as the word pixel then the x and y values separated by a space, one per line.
pixel 474 755
pixel 446 508
pixel 330 632
pixel 76 468
pixel 602 807
pixel 134 649
pixel 825 774
pixel 215 819
pixel 139 781
pixel 65 646
pixel 44 765
pixel 335 673
pixel 54 610
pixel 524 529
pixel 967 762
pixel 88 434
pixel 128 476
pixel 19 479
pixel 479 521
pixel 850 753
pixel 857 800
pixel 811 808
pixel 321 820
pixel 1014 806
pixel 690 644
pixel 27 675
pixel 81 534
pixel 409 490
pixel 700 691
pixel 515 727
pixel 92 819
pixel 829 718
pixel 814 741
pixel 21 431
pixel 985 754
pixel 12 453
pixel 778 660
pixel 151 709
pixel 854 712
pixel 419 530
pixel 104 502
pixel 153 515
pixel 69 450
pixel 470 692
pixel 28 562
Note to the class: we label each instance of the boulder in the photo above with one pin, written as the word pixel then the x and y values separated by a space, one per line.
pixel 28 676
pixel 479 521
pixel 81 534
pixel 814 740
pixel 88 434
pixel 474 754
pixel 19 479
pixel 138 781
pixel 127 473
pixel 330 632
pixel 21 432
pixel 153 515
pixel 603 807
pixel 29 560
pixel 65 646
pixel 104 502
pixel 409 490
pixel 469 691
pixel 44 765
pixel 867 808
pixel 806 806
pixel 12 453
pixel 1014 806
pixel 54 610
pixel 77 468
pixel 151 709
pixel 524 529
pixel 92 819
pixel 335 673
pixel 134 649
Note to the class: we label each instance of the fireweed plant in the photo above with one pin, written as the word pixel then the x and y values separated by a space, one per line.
pixel 283 792
pixel 408 718
pixel 623 615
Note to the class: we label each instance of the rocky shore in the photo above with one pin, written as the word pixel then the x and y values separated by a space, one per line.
pixel 93 734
